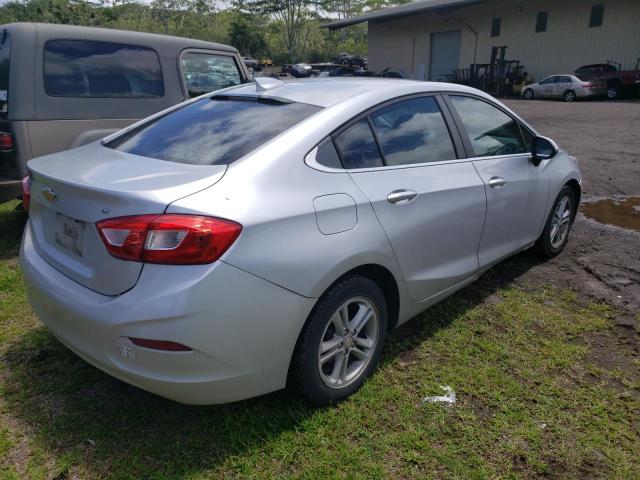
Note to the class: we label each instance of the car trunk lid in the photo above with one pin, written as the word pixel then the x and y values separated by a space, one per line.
pixel 72 190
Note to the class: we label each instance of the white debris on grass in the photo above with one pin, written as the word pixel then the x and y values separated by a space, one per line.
pixel 449 398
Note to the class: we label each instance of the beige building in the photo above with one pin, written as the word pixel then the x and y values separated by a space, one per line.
pixel 428 39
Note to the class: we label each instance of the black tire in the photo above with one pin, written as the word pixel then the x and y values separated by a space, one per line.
pixel 614 91
pixel 545 245
pixel 305 367
pixel 528 94
pixel 570 96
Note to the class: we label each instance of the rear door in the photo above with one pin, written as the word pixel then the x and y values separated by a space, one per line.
pixel 88 85
pixel 430 202
pixel 561 84
pixel 516 193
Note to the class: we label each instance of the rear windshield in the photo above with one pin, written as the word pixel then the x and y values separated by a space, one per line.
pixel 213 131
pixel 81 68
pixel 5 60
pixel 585 78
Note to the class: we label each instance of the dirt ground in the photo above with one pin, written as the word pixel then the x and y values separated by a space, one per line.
pixel 601 261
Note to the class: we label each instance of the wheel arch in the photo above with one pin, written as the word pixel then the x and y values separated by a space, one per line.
pixel 379 274
pixel 577 190
pixel 614 81
pixel 383 277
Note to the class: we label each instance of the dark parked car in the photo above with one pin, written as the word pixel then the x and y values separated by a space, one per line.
pixel 298 70
pixel 63 86
pixel 251 62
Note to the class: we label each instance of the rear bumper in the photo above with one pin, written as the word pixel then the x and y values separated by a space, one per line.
pixel 590 92
pixel 242 329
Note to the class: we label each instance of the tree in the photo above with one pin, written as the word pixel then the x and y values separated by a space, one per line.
pixel 291 14
pixel 246 33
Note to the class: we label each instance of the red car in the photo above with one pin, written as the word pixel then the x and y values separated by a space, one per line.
pixel 618 82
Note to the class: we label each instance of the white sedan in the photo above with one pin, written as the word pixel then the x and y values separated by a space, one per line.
pixel 568 87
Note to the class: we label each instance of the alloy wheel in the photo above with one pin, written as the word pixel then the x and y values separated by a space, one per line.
pixel 561 222
pixel 348 342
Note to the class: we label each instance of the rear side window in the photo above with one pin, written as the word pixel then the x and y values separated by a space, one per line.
pixel 215 130
pixel 490 130
pixel 327 154
pixel 80 68
pixel 413 131
pixel 5 62
pixel 357 146
pixel 207 72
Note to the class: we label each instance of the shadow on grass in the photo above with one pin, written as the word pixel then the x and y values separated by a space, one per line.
pixel 86 418
pixel 102 425
pixel 12 221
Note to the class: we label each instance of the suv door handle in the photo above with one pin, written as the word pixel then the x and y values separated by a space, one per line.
pixel 400 197
pixel 497 182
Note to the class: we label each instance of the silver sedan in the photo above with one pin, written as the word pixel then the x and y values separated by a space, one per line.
pixel 276 232
pixel 567 87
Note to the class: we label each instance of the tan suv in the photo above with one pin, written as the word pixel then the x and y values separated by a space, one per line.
pixel 62 86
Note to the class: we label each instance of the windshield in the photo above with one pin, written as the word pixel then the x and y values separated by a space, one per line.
pixel 213 131
pixel 5 59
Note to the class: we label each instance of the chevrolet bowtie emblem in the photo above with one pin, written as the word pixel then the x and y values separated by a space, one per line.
pixel 50 194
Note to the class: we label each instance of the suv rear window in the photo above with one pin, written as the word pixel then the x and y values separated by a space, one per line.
pixel 213 131
pixel 81 68
pixel 5 60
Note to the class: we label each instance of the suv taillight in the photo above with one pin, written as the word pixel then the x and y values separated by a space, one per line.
pixel 26 192
pixel 6 142
pixel 171 239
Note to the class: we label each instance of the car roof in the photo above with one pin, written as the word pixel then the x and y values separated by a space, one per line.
pixel 326 92
pixel 46 31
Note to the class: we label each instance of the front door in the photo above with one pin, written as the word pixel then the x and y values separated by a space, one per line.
pixel 445 55
pixel 516 194
pixel 546 86
pixel 430 203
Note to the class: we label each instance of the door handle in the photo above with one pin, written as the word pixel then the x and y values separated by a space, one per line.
pixel 497 182
pixel 400 197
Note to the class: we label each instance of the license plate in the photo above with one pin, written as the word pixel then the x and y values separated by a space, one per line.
pixel 70 234
pixel 126 352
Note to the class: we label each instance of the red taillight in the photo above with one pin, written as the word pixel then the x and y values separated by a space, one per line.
pixel 171 239
pixel 165 345
pixel 26 192
pixel 6 142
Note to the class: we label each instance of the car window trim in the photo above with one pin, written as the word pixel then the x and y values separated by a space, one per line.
pixel 465 136
pixel 53 39
pixel 183 82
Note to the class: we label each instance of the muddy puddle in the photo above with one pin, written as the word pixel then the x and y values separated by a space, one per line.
pixel 622 212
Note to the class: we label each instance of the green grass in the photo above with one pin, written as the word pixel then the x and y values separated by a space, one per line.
pixel 530 402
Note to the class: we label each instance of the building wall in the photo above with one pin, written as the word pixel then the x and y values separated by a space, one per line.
pixel 404 43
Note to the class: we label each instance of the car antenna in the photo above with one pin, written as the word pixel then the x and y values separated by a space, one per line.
pixel 266 83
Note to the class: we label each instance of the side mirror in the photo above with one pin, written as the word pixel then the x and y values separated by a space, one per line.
pixel 543 148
